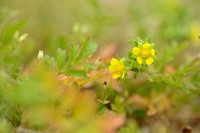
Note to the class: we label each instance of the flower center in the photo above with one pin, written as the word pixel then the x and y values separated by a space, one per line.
pixel 145 53
pixel 118 67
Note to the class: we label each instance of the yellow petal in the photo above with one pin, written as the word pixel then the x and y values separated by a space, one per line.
pixel 114 61
pixel 146 45
pixel 123 74
pixel 136 51
pixel 145 53
pixel 152 52
pixel 149 60
pixel 111 68
pixel 140 60
pixel 116 75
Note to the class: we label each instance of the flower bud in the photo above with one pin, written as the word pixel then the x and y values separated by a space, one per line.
pixel 40 54
pixel 98 62
pixel 23 37
pixel 105 85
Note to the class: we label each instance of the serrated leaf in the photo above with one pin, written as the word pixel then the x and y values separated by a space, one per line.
pixel 73 54
pixel 130 55
pixel 131 42
pixel 50 61
pixel 61 58
pixel 77 74
pixel 135 42
pixel 169 52
pixel 88 48
pixel 182 86
pixel 169 81
pixel 87 64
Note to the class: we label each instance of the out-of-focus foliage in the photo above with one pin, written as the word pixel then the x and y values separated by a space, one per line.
pixel 54 60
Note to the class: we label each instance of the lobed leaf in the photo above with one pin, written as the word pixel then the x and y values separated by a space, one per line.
pixel 169 81
pixel 87 64
pixel 77 74
pixel 61 58
pixel 88 48
pixel 73 54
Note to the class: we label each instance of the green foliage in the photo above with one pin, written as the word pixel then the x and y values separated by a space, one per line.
pixel 61 58
pixel 136 42
pixel 48 92
pixel 73 54
pixel 50 61
pixel 77 73
pixel 169 81
pixel 88 64
pixel 88 48
pixel 131 127
pixel 169 52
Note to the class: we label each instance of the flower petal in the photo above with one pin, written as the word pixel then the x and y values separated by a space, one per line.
pixel 140 60
pixel 146 45
pixel 114 61
pixel 123 74
pixel 149 61
pixel 152 52
pixel 136 51
pixel 116 75
pixel 111 68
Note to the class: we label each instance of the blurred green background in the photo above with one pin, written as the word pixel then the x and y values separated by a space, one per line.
pixel 107 21
pixel 50 24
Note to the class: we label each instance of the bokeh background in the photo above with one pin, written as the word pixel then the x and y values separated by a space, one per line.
pixel 107 21
pixel 52 24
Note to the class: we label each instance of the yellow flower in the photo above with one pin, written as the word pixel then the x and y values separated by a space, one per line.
pixel 146 45
pixel 152 52
pixel 144 54
pixel 118 68
pixel 136 50
pixel 139 60
pixel 149 60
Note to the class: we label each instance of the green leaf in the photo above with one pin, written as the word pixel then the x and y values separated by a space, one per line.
pixel 87 64
pixel 158 78
pixel 130 55
pixel 135 75
pixel 61 58
pixel 130 127
pixel 9 31
pixel 88 48
pixel 73 54
pixel 181 85
pixel 135 42
pixel 168 53
pixel 77 74
pixel 50 61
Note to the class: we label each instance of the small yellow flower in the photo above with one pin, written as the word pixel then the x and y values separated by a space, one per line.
pixel 144 54
pixel 146 45
pixel 136 51
pixel 139 60
pixel 152 52
pixel 149 60
pixel 118 68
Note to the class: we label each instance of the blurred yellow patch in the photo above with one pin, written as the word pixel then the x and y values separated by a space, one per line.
pixel 118 68
pixel 144 54
pixel 195 32
pixel 136 51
